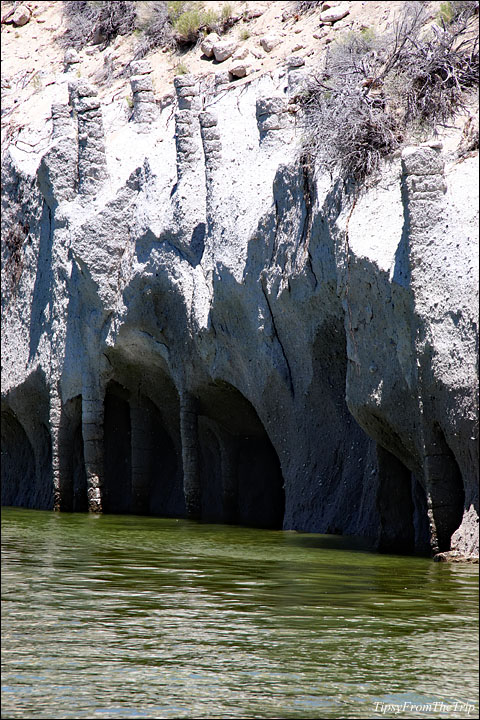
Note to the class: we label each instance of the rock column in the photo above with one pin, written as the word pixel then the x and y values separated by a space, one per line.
pixel 92 164
pixel 191 475
pixel 61 120
pixel 212 146
pixel 144 107
pixel 423 189
pixel 273 118
pixel 189 198
pixel 55 415
pixel 92 431
pixel 186 125
pixel 57 173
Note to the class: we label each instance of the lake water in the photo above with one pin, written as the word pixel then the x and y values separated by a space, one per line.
pixel 135 617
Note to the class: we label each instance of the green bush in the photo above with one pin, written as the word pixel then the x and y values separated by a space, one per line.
pixel 181 69
pixel 190 20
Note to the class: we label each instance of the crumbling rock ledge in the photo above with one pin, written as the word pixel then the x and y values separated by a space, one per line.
pixel 196 323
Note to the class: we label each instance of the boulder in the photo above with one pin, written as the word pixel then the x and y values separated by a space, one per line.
pixel 207 45
pixel 224 49
pixel 21 16
pixel 240 70
pixel 268 42
pixel 71 57
pixel 334 14
pixel 240 54
pixel 294 61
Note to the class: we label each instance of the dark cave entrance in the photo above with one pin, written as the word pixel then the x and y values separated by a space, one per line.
pixel 445 486
pixel 142 449
pixel 73 477
pixel 402 507
pixel 18 462
pixel 240 473
pixel 117 451
pixel 156 463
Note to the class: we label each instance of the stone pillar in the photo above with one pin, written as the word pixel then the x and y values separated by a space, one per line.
pixel 189 198
pixel 93 431
pixel 141 440
pixel 62 120
pixel 273 118
pixel 186 87
pixel 186 140
pixel 423 195
pixel 57 173
pixel 92 163
pixel 186 125
pixel 144 107
pixel 296 75
pixel 191 476
pixel 55 414
pixel 212 146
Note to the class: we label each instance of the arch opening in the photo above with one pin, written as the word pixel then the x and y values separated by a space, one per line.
pixel 445 487
pixel 18 463
pixel 117 451
pixel 402 507
pixel 240 472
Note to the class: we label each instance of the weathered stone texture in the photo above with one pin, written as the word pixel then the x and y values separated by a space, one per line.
pixel 219 330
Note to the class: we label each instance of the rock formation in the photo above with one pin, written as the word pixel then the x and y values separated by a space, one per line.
pixel 211 326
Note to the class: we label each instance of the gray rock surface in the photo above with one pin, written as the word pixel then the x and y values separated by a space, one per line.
pixel 195 321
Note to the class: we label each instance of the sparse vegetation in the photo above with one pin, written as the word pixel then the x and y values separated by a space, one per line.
pixel 181 69
pixel 245 34
pixel 375 91
pixel 98 22
pixel 191 19
pixel 156 24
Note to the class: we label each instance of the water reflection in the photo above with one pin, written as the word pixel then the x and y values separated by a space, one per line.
pixel 139 617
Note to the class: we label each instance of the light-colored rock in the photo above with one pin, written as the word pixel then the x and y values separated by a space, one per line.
pixel 334 14
pixel 141 83
pixel 240 70
pixel 21 16
pixel 224 49
pixel 207 45
pixel 299 360
pixel 269 42
pixel 294 61
pixel 140 67
pixel 71 57
pixel 328 5
pixel 241 53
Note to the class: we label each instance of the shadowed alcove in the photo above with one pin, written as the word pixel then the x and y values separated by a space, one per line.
pixel 18 462
pixel 142 450
pixel 117 450
pixel 402 507
pixel 241 479
pixel 73 478
pixel 445 488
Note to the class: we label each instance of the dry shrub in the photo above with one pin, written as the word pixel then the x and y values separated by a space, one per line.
pixel 373 92
pixel 156 28
pixel 97 22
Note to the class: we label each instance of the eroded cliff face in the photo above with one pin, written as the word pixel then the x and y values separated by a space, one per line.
pixel 197 322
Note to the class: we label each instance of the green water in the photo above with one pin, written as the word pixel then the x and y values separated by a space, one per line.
pixel 123 617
